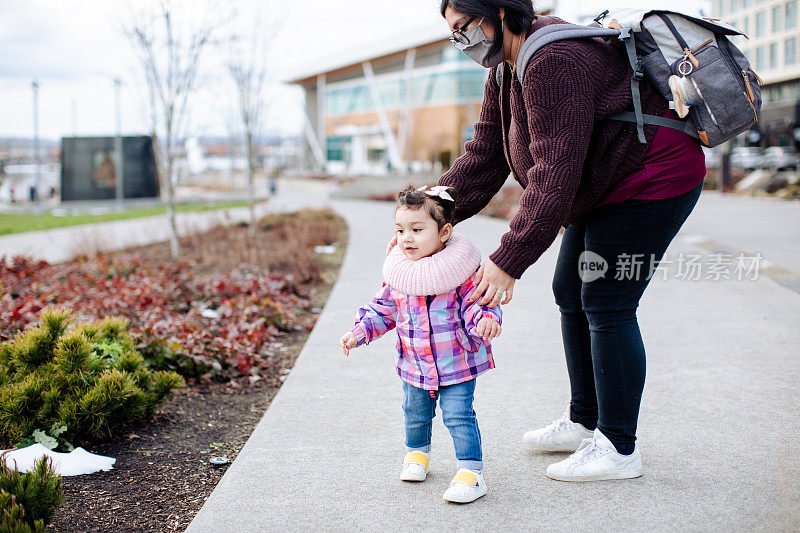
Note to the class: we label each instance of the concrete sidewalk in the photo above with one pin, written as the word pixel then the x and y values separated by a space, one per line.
pixel 715 428
pixel 730 223
pixel 61 244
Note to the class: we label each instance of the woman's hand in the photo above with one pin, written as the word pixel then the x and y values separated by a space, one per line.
pixel 487 328
pixel 492 283
pixel 348 342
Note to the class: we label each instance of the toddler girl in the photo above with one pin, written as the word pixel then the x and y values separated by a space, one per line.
pixel 443 341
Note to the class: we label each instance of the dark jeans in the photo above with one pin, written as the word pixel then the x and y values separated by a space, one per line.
pixel 602 341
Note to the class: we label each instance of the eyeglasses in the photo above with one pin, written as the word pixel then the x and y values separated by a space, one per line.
pixel 458 34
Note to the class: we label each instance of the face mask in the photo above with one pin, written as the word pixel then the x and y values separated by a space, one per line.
pixel 478 49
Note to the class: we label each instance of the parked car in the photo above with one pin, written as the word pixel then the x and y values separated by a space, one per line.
pixel 780 158
pixel 746 157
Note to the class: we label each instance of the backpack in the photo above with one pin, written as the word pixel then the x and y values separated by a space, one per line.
pixel 660 44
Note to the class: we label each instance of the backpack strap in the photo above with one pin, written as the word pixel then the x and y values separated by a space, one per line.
pixel 547 35
pixel 559 32
pixel 652 120
pixel 626 36
pixel 553 33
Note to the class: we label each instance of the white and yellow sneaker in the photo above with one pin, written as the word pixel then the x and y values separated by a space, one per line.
pixel 415 466
pixel 467 486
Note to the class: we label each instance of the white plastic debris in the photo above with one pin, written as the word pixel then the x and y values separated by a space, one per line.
pixel 329 249
pixel 209 313
pixel 74 463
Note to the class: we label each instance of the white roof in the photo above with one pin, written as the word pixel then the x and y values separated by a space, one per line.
pixel 363 52
pixel 419 36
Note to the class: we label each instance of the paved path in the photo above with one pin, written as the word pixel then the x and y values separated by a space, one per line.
pixel 733 224
pixel 61 244
pixel 716 434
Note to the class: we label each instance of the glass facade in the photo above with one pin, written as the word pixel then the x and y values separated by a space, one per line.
pixel 790 14
pixel 773 55
pixel 426 89
pixel 761 23
pixel 784 91
pixel 760 60
pixel 776 19
pixel 336 147
pixel 790 51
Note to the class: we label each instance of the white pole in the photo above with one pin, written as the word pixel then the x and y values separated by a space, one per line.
pixel 322 135
pixel 36 154
pixel 74 117
pixel 313 141
pixel 120 163
pixel 391 142
pixel 408 74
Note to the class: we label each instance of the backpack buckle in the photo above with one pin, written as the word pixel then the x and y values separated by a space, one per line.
pixel 599 18
pixel 638 72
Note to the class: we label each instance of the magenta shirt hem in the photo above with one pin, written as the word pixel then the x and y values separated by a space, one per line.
pixel 674 165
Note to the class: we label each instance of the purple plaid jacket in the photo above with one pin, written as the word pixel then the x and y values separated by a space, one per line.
pixel 437 344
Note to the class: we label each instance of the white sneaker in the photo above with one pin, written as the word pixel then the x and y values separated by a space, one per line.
pixel 415 466
pixel 561 435
pixel 597 459
pixel 467 486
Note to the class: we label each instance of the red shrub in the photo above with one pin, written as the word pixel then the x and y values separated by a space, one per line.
pixel 164 304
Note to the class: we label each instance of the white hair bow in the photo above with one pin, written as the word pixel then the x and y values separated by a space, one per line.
pixel 438 190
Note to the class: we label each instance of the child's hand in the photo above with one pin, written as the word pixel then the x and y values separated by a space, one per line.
pixel 488 328
pixel 348 342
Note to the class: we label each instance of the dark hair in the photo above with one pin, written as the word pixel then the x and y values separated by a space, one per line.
pixel 519 15
pixel 440 210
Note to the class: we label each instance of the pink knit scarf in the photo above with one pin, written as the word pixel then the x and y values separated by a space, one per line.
pixel 436 274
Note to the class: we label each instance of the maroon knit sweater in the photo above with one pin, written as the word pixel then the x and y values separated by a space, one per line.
pixel 557 139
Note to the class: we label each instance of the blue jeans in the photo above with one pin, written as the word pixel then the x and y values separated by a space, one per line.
pixel 457 413
pixel 602 342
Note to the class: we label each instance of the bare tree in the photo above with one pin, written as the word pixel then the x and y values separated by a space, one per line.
pixel 169 42
pixel 249 69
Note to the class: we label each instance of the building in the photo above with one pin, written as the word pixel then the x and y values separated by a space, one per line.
pixel 408 108
pixel 405 106
pixel 773 49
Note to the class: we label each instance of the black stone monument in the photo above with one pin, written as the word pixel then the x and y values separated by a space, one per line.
pixel 88 168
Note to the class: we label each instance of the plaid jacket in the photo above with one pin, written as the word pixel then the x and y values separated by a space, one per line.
pixel 437 344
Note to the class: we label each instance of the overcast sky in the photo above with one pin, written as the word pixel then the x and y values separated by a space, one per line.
pixel 75 49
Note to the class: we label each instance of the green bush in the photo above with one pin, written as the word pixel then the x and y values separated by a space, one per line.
pixel 28 500
pixel 87 377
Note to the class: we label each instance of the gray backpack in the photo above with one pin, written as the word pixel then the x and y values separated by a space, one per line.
pixel 660 44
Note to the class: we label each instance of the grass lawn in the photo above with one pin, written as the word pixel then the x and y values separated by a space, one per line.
pixel 21 222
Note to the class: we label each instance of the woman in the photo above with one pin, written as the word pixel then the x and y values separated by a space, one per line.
pixel 616 197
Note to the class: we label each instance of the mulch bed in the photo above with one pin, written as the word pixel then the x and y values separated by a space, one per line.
pixel 162 474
